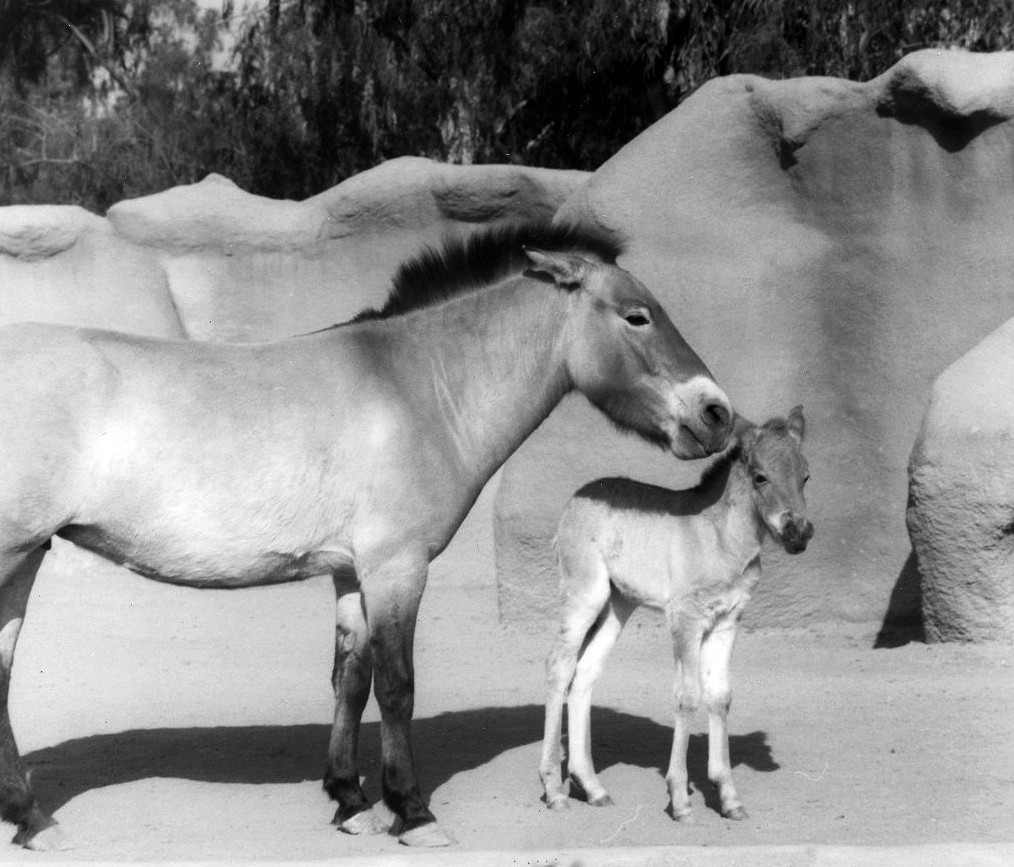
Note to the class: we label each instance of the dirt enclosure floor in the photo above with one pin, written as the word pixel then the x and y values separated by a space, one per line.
pixel 181 725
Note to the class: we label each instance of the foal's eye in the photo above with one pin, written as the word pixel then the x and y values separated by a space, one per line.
pixel 760 479
pixel 637 318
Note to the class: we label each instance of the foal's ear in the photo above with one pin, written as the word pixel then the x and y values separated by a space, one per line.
pixel 796 422
pixel 740 426
pixel 744 432
pixel 566 270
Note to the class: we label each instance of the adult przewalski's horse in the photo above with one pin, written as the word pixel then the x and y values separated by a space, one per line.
pixel 354 451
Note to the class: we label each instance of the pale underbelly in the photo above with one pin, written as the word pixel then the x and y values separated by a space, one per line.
pixel 222 566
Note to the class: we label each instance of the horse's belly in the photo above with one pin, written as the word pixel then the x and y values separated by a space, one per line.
pixel 223 565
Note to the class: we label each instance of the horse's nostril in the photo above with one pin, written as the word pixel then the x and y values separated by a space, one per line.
pixel 717 415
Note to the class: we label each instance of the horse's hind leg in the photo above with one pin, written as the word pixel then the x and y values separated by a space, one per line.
pixel 392 589
pixel 351 677
pixel 589 668
pixel 36 830
pixel 585 591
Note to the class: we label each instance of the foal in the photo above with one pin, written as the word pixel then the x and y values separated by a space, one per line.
pixel 694 554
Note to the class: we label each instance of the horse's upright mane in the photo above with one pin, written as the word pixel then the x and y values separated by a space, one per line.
pixel 463 264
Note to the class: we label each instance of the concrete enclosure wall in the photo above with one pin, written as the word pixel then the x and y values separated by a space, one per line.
pixel 818 242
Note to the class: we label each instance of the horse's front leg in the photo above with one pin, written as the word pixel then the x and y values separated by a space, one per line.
pixel 36 830
pixel 352 677
pixel 392 590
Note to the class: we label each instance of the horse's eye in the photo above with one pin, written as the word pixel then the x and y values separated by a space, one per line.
pixel 760 479
pixel 638 319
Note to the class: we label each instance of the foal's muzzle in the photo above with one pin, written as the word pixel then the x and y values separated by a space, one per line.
pixel 796 535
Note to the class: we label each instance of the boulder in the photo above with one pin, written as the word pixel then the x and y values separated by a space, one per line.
pixel 61 263
pixel 820 242
pixel 243 267
pixel 961 496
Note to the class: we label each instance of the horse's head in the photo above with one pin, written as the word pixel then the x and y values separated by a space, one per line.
pixel 773 456
pixel 626 356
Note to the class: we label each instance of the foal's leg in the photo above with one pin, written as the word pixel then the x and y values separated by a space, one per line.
pixel 36 830
pixel 716 654
pixel 392 590
pixel 586 592
pixel 589 667
pixel 351 677
pixel 686 635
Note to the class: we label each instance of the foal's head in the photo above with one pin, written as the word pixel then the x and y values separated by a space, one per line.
pixel 773 456
pixel 626 356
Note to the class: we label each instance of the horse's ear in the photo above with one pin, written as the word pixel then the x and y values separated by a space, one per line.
pixel 566 270
pixel 796 422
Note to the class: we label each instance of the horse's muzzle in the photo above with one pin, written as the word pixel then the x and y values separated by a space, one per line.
pixel 796 535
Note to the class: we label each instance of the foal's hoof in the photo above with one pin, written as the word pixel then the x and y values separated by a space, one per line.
pixel 48 839
pixel 558 802
pixel 736 813
pixel 428 836
pixel 364 823
pixel 684 815
pixel 603 800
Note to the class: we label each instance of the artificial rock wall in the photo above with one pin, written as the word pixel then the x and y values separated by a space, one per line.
pixel 961 496
pixel 211 262
pixel 820 242
pixel 817 241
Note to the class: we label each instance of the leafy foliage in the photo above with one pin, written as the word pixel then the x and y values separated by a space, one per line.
pixel 106 99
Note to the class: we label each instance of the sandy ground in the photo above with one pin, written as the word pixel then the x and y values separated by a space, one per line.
pixel 169 724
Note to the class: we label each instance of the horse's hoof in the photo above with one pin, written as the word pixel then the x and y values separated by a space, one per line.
pixel 428 836
pixel 736 813
pixel 686 816
pixel 604 800
pixel 363 823
pixel 49 839
pixel 559 802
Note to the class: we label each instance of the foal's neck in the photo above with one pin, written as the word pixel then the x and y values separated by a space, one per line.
pixel 493 364
pixel 728 487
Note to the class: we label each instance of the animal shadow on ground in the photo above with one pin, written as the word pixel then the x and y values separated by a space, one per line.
pixel 445 745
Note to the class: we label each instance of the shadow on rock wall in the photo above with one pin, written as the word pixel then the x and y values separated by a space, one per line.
pixel 820 242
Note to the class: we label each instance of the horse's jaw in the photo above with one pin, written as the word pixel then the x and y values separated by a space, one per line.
pixel 700 419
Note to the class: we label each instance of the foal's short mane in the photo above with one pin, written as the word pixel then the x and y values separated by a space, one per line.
pixel 720 465
pixel 463 264
pixel 718 468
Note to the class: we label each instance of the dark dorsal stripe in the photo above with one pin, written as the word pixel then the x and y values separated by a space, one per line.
pixel 463 264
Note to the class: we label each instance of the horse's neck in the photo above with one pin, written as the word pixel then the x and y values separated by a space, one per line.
pixel 492 363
